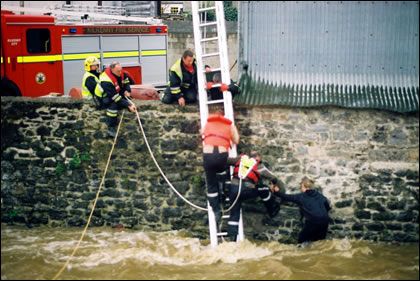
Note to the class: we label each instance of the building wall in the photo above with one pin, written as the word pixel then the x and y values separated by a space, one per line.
pixel 348 53
pixel 54 150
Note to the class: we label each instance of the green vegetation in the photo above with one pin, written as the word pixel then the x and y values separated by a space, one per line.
pixel 75 163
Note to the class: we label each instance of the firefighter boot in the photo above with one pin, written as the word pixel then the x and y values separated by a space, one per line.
pixel 232 232
pixel 112 132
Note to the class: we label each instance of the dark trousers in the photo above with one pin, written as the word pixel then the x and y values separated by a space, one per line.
pixel 313 231
pixel 246 193
pixel 112 110
pixel 190 96
pixel 214 163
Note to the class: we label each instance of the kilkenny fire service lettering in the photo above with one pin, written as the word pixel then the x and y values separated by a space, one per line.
pixel 120 30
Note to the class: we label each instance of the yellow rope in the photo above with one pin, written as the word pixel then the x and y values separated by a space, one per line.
pixel 94 203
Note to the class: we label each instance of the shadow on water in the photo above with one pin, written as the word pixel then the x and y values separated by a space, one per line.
pixel 125 254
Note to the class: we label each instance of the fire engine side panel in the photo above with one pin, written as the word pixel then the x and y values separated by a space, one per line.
pixel 75 50
pixel 124 49
pixel 33 58
pixel 153 59
pixel 12 45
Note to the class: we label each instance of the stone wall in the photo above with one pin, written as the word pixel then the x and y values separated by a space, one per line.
pixel 54 150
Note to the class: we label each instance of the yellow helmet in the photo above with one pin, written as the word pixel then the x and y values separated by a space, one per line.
pixel 91 60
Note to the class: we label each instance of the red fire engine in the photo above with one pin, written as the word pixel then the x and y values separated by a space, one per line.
pixel 39 57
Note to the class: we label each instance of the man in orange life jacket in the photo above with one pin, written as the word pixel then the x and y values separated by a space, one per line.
pixel 251 169
pixel 218 134
pixel 115 93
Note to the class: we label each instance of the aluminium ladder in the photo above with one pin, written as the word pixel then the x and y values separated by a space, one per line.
pixel 201 29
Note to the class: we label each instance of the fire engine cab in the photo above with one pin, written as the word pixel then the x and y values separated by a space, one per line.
pixel 39 56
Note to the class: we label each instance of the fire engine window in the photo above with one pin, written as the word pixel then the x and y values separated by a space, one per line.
pixel 38 40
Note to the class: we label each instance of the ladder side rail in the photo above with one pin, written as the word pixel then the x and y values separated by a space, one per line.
pixel 224 65
pixel 227 96
pixel 221 30
pixel 212 226
pixel 240 236
pixel 202 93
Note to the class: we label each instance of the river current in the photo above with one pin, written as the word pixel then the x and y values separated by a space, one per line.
pixel 105 253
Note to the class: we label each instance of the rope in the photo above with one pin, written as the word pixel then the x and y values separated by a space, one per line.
pixel 164 176
pixel 103 180
pixel 94 203
pixel 157 164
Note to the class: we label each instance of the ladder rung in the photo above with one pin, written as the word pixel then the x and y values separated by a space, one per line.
pixel 210 55
pixel 222 233
pixel 206 9
pixel 213 70
pixel 209 39
pixel 226 216
pixel 208 24
pixel 215 101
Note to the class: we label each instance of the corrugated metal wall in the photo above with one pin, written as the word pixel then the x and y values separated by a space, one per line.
pixel 352 54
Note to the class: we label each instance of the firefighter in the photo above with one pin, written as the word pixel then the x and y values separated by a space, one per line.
pixel 182 86
pixel 251 169
pixel 218 134
pixel 217 92
pixel 90 82
pixel 115 92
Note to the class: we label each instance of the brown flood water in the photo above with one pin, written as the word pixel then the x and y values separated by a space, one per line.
pixel 106 253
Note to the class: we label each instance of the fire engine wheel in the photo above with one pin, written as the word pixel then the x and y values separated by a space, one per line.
pixel 8 88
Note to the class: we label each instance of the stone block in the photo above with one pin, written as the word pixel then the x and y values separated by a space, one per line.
pixel 57 215
pixel 38 218
pixel 405 216
pixel 43 131
pixel 375 226
pixel 383 216
pixel 398 137
pixel 88 196
pixel 375 206
pixel 76 221
pixel 357 226
pixel 396 205
pixel 140 204
pixel 344 204
pixel 361 214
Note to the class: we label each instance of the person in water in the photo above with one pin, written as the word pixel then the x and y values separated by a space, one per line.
pixel 314 206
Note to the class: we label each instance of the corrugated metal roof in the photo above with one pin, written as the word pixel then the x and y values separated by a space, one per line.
pixel 351 54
